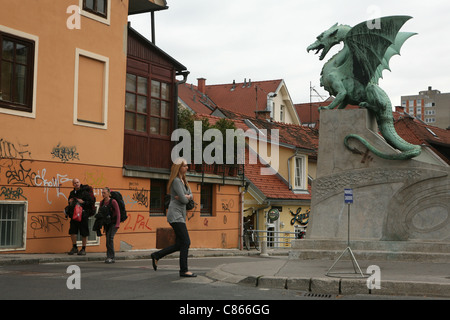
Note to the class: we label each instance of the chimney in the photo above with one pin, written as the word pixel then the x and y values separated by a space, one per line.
pixel 400 109
pixel 234 85
pixel 201 84
pixel 263 115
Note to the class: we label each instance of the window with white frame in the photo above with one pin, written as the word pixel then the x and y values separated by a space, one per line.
pixel 99 10
pixel 91 89
pixel 13 215
pixel 300 173
pixel 18 72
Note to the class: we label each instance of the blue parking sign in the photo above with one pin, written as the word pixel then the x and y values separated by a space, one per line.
pixel 348 196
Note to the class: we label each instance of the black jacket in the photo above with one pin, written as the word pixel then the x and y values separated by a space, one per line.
pixel 83 194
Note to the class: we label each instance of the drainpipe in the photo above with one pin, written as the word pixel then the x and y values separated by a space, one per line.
pixel 152 14
pixel 269 104
pixel 289 168
pixel 175 98
pixel 241 218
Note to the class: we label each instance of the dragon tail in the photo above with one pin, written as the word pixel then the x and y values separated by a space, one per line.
pixel 404 155
pixel 387 130
pixel 378 102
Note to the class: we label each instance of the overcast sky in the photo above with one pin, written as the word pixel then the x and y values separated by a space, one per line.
pixel 231 40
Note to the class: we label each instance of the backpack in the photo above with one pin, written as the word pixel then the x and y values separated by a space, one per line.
pixel 92 209
pixel 118 197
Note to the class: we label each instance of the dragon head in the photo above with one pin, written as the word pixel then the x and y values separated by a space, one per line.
pixel 327 39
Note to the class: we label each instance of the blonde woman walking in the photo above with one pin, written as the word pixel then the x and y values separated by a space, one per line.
pixel 180 193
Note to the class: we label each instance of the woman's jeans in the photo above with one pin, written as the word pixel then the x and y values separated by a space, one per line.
pixel 110 233
pixel 182 244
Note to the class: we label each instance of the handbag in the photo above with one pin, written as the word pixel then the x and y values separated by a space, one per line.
pixel 77 213
pixel 190 205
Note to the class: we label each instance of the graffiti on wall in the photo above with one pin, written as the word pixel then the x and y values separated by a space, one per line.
pixel 95 179
pixel 54 183
pixel 140 196
pixel 64 153
pixel 20 174
pixel 9 150
pixel 137 222
pixel 47 222
pixel 11 193
pixel 227 205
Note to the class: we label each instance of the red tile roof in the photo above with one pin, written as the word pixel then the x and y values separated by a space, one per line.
pixel 197 101
pixel 308 113
pixel 243 97
pixel 291 134
pixel 271 185
pixel 417 132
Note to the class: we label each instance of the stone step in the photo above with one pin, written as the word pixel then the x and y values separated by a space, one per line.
pixel 377 245
pixel 371 250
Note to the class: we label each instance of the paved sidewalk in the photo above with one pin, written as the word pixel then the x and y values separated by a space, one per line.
pixel 35 258
pixel 396 277
pixel 400 278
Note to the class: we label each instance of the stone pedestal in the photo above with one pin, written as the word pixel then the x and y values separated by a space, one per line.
pixel 393 200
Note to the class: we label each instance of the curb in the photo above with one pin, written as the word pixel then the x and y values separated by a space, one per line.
pixel 11 259
pixel 334 286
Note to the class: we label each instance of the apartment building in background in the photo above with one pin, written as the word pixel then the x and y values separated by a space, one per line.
pixel 431 106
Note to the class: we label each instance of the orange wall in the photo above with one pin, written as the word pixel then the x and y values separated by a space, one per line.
pixel 39 156
pixel 53 124
pixel 46 186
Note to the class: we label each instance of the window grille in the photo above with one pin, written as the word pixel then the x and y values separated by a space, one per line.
pixel 12 222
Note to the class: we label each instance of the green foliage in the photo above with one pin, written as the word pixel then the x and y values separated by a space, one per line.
pixel 186 121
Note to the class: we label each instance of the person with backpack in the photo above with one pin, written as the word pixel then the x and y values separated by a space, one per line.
pixel 82 195
pixel 109 208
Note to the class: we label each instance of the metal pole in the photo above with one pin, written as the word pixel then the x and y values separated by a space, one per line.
pixel 152 15
pixel 348 231
pixel 356 268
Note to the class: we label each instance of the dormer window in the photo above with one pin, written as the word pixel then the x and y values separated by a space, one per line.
pixel 300 173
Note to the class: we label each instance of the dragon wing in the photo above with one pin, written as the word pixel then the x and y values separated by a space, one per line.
pixel 393 50
pixel 368 47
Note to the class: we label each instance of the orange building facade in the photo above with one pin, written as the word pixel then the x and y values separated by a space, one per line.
pixel 65 114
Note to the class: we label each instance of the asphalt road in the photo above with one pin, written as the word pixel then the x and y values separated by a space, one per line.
pixel 127 280
pixel 136 280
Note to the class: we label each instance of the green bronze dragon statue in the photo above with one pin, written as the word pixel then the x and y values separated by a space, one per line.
pixel 352 75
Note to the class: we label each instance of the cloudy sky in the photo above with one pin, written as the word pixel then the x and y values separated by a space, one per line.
pixel 231 40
